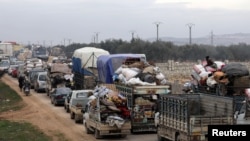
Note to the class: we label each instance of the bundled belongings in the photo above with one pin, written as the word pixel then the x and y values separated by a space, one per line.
pixel 112 106
pixel 235 70
pixel 228 79
pixel 139 73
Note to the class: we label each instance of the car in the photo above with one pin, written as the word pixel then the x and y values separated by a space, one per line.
pixel 4 65
pixel 14 72
pixel 72 96
pixel 40 81
pixel 58 95
pixel 31 75
pixel 11 68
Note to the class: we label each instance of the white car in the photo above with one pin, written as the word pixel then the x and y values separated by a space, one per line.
pixel 4 65
pixel 40 81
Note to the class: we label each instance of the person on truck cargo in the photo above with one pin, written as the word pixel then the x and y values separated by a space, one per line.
pixel 210 62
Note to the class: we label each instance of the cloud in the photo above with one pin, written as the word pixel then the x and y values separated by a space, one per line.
pixel 210 4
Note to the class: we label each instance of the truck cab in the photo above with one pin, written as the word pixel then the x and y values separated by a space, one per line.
pixel 77 102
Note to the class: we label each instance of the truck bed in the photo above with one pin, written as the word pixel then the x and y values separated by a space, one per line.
pixel 192 113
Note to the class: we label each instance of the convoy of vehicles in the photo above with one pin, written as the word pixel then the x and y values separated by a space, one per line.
pixel 152 108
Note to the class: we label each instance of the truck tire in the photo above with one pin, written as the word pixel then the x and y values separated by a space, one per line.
pixel 97 134
pixel 123 136
pixel 177 137
pixel 159 138
pixel 67 109
pixel 72 115
pixel 87 129
pixel 76 120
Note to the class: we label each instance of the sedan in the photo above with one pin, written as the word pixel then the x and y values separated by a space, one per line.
pixel 58 95
pixel 11 68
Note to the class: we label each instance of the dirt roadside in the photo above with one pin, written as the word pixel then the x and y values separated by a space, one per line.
pixel 40 114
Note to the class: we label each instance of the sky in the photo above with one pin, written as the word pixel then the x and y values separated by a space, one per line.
pixel 53 22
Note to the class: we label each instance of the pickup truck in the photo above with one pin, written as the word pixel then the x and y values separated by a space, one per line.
pixel 77 103
pixel 187 116
pixel 94 122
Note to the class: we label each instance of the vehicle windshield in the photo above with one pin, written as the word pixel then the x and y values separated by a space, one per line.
pixel 42 77
pixel 63 91
pixel 4 63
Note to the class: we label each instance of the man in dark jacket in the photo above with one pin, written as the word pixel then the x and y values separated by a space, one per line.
pixel 21 81
pixel 210 62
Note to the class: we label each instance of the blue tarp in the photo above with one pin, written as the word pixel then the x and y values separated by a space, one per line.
pixel 108 64
pixel 77 67
pixel 85 58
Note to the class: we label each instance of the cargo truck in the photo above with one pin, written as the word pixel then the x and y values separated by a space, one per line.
pixel 84 67
pixel 99 121
pixel 6 50
pixel 141 99
pixel 187 116
pixel 143 104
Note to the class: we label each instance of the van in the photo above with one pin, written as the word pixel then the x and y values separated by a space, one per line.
pixel 40 81
pixel 31 75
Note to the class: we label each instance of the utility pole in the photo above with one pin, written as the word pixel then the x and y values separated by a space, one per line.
pixel 190 25
pixel 212 38
pixel 132 33
pixel 157 30
pixel 96 36
pixel 69 40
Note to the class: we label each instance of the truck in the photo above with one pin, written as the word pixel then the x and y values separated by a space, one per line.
pixel 77 103
pixel 104 122
pixel 143 104
pixel 187 116
pixel 84 67
pixel 141 99
pixel 6 50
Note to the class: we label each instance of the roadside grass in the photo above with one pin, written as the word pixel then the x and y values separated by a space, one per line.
pixel 9 99
pixel 16 131
pixel 20 131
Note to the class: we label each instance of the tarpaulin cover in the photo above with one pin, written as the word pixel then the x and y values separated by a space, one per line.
pixel 61 68
pixel 108 64
pixel 85 58
pixel 235 69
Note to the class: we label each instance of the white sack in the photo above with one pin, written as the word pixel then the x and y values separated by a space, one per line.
pixel 129 73
pixel 199 68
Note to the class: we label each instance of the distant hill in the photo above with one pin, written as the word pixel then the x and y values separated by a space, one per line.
pixel 224 39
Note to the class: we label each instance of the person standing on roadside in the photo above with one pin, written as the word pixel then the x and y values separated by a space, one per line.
pixel 21 81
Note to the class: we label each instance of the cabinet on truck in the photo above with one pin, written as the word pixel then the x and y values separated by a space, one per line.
pixel 143 104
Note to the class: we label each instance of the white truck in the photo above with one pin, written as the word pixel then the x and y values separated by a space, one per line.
pixel 77 103
pixel 96 121
pixel 6 50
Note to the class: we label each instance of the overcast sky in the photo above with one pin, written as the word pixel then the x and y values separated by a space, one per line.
pixel 52 22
